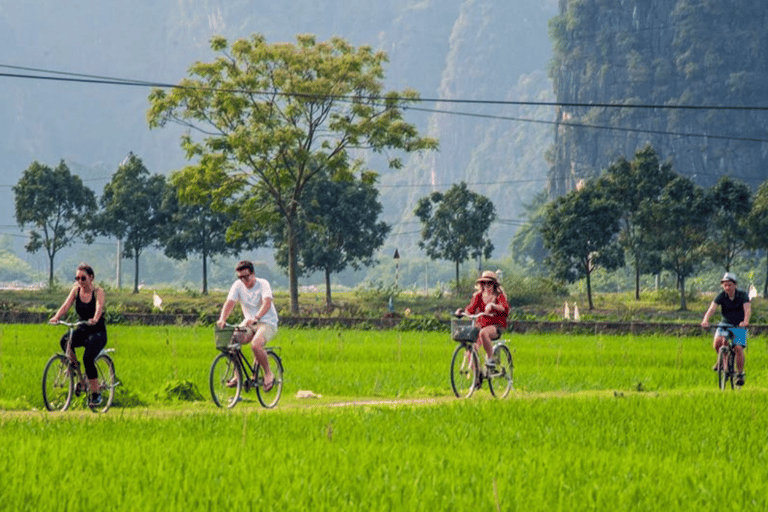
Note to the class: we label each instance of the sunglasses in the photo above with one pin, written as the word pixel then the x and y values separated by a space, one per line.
pixel 243 277
pixel 80 278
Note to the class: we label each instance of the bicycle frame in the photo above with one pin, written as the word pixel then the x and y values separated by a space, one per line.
pixel 468 372
pixel 726 358
pixel 62 374
pixel 231 374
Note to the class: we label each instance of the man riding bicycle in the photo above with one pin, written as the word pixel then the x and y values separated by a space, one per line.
pixel 736 310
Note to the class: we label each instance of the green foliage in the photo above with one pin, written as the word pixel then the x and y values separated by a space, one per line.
pixel 57 205
pixel 323 100
pixel 422 324
pixel 527 246
pixel 339 227
pixel 180 390
pixel 377 292
pixel 132 209
pixel 197 228
pixel 677 224
pixel 455 225
pixel 580 232
pixel 728 230
pixel 635 186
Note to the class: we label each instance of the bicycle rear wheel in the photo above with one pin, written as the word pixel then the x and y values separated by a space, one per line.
pixel 731 368
pixel 500 378
pixel 464 371
pixel 226 381
pixel 106 382
pixel 722 368
pixel 58 384
pixel 270 398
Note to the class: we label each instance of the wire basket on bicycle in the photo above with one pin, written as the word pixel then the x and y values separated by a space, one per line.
pixel 224 337
pixel 464 329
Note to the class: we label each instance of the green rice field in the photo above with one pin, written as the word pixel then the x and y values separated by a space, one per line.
pixel 595 423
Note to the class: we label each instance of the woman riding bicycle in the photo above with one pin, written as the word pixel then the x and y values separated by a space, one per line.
pixel 491 303
pixel 736 310
pixel 89 305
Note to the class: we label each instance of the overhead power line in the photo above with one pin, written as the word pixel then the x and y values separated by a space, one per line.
pixel 106 80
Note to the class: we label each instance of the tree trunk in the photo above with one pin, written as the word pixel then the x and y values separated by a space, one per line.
pixel 328 301
pixel 637 278
pixel 293 278
pixel 589 291
pixel 205 274
pixel 457 279
pixel 136 272
pixel 683 305
pixel 50 270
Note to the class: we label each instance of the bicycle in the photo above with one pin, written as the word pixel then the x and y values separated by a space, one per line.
pixel 231 373
pixel 63 380
pixel 467 374
pixel 726 358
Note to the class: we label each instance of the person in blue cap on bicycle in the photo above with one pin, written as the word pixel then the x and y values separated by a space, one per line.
pixel 736 309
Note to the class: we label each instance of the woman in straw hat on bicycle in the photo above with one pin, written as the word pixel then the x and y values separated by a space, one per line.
pixel 490 302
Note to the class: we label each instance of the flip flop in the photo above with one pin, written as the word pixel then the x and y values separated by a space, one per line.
pixel 268 386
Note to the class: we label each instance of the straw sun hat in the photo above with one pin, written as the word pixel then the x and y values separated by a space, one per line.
pixel 488 276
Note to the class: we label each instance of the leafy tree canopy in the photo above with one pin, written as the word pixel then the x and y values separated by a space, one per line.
pixel 729 234
pixel 196 228
pixel 455 225
pixel 58 207
pixel 275 117
pixel 339 227
pixel 580 232
pixel 132 209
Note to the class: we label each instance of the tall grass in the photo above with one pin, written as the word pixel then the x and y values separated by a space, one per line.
pixel 595 423
pixel 689 451
pixel 374 364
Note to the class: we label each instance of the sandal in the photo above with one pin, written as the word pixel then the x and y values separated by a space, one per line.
pixel 268 386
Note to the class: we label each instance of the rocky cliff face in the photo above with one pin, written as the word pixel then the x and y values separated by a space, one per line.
pixel 694 53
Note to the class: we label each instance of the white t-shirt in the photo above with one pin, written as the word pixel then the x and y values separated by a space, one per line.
pixel 251 300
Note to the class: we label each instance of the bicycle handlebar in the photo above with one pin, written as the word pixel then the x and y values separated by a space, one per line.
pixel 233 326
pixel 474 316
pixel 69 324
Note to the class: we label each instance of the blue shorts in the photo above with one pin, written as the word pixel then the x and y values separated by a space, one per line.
pixel 739 335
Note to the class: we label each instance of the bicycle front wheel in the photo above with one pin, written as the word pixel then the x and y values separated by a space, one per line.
pixel 722 368
pixel 106 382
pixel 270 398
pixel 500 378
pixel 464 371
pixel 226 381
pixel 58 384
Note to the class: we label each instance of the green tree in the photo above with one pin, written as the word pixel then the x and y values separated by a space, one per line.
pixel 757 222
pixel 455 225
pixel 678 223
pixel 339 228
pixel 194 227
pixel 580 231
pixel 58 207
pixel 728 229
pixel 274 117
pixel 132 209
pixel 635 185
pixel 527 246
